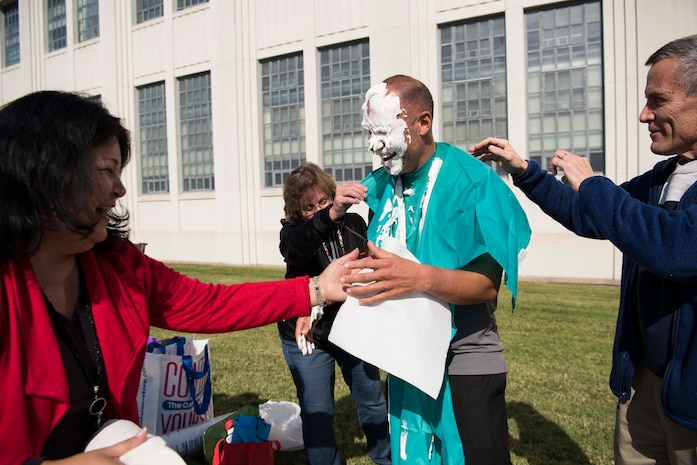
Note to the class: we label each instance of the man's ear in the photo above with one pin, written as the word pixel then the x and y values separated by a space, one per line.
pixel 425 120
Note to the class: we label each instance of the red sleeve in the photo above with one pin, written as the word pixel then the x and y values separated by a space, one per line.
pixel 180 303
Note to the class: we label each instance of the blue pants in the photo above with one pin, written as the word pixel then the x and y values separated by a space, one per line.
pixel 314 380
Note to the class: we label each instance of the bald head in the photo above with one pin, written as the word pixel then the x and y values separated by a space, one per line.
pixel 413 93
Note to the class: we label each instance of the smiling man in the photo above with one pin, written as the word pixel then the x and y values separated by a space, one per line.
pixel 652 219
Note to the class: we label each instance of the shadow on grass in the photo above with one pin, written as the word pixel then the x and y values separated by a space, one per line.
pixel 541 441
pixel 223 403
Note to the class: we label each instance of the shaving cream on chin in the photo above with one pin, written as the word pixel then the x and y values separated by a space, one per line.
pixel 395 165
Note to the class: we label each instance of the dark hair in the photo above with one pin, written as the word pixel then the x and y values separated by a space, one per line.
pixel 46 168
pixel 301 181
pixel 412 92
pixel 685 51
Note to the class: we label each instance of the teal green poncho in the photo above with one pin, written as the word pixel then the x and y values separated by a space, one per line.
pixel 470 211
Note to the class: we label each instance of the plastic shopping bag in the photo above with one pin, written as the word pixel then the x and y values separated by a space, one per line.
pixel 175 386
pixel 286 424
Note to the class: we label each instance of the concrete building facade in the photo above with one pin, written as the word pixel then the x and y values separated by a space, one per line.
pixel 225 97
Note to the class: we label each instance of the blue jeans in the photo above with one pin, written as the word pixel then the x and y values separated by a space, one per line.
pixel 314 381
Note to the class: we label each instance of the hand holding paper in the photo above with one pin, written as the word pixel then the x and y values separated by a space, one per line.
pixel 407 336
pixel 390 275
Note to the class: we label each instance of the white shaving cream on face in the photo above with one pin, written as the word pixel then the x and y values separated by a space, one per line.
pixel 380 119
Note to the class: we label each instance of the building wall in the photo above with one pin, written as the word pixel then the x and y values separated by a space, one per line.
pixel 238 223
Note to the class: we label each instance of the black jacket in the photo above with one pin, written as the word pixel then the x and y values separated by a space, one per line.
pixel 303 251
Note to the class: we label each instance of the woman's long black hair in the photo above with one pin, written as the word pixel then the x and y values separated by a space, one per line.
pixel 46 167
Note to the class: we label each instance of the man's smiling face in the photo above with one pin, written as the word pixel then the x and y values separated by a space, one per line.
pixel 670 113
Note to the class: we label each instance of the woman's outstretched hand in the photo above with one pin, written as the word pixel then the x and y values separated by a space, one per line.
pixel 331 287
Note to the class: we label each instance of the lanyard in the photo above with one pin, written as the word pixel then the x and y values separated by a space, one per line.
pixel 93 373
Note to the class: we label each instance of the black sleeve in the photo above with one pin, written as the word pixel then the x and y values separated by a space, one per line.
pixel 300 241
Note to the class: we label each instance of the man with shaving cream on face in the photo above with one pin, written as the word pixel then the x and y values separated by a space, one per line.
pixel 465 227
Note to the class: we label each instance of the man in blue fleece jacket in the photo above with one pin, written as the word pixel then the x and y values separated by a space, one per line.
pixel 652 219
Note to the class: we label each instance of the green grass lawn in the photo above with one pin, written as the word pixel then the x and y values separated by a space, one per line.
pixel 558 346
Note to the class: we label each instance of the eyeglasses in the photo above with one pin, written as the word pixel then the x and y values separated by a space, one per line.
pixel 323 202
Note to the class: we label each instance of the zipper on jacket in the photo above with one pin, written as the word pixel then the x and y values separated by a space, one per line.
pixel 625 381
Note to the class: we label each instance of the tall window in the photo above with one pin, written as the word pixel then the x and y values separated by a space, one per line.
pixel 565 82
pixel 148 9
pixel 57 32
pixel 11 20
pixel 152 128
pixel 196 127
pixel 87 19
pixel 473 72
pixel 345 78
pixel 181 4
pixel 283 115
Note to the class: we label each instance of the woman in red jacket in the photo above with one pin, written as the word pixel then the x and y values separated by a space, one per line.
pixel 77 299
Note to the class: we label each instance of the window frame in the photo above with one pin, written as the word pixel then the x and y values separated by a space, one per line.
pixel 344 81
pixel 148 12
pixel 11 35
pixel 473 57
pixel 196 148
pixel 55 41
pixel 87 29
pixel 149 168
pixel 565 74
pixel 283 130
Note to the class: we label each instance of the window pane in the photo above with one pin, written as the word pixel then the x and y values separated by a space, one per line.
pixel 57 32
pixel 11 20
pixel 152 127
pixel 148 9
pixel 346 68
pixel 283 105
pixel 181 4
pixel 474 92
pixel 568 94
pixel 195 113
pixel 87 19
